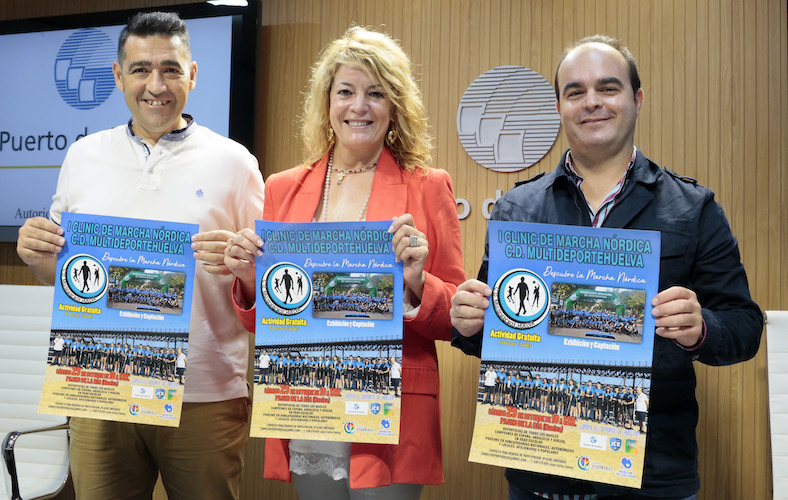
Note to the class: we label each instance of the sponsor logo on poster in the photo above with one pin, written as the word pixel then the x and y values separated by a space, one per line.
pixel 141 392
pixel 624 470
pixel 356 408
pixel 593 441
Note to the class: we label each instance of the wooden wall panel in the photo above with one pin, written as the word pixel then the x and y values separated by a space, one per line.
pixel 714 74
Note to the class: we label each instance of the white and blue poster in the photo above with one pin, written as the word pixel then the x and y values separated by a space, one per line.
pixel 567 351
pixel 328 340
pixel 120 320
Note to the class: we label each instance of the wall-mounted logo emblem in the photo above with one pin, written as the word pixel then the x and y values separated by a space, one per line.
pixel 83 68
pixel 507 119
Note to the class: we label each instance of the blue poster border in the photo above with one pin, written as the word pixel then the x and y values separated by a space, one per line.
pixel 120 319
pixel 329 300
pixel 568 302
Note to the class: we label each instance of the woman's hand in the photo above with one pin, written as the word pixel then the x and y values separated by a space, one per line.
pixel 209 248
pixel 412 248
pixel 242 248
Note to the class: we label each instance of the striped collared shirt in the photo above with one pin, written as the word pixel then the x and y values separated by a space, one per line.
pixel 598 217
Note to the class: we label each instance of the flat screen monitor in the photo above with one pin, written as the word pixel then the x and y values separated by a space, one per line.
pixel 58 86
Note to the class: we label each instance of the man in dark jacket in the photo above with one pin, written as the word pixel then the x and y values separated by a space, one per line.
pixel 703 310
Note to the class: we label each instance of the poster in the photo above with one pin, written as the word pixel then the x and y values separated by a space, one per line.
pixel 328 340
pixel 567 351
pixel 120 320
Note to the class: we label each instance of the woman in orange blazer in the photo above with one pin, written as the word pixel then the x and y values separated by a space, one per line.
pixel 368 151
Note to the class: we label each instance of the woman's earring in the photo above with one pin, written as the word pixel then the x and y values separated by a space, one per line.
pixel 391 137
pixel 330 134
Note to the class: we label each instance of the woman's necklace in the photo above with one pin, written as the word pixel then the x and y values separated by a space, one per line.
pixel 341 175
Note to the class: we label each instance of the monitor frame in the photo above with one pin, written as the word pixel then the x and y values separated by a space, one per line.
pixel 243 62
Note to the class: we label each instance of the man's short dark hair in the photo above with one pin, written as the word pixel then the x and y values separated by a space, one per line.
pixel 144 24
pixel 617 44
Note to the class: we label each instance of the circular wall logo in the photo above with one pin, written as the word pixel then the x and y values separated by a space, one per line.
pixel 286 288
pixel 134 409
pixel 507 119
pixel 83 68
pixel 350 427
pixel 584 462
pixel 83 278
pixel 521 299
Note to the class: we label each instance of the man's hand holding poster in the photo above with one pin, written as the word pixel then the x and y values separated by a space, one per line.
pixel 328 341
pixel 120 320
pixel 567 351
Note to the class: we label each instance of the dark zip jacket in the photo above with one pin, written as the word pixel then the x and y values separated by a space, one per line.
pixel 698 252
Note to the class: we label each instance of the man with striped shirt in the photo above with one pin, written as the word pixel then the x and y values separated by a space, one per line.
pixel 603 180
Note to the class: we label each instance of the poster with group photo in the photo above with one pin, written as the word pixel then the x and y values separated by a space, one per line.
pixel 567 351
pixel 328 340
pixel 120 320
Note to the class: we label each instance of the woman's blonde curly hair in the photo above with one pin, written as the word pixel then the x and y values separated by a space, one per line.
pixel 385 61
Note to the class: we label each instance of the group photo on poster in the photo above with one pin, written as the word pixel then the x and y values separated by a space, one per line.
pixel 566 358
pixel 599 312
pixel 328 341
pixel 134 289
pixel 127 354
pixel 308 368
pixel 120 326
pixel 366 302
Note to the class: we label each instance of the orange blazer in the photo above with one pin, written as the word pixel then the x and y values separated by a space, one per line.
pixel 293 196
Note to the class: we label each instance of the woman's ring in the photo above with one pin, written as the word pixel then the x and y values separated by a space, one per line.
pixel 414 240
